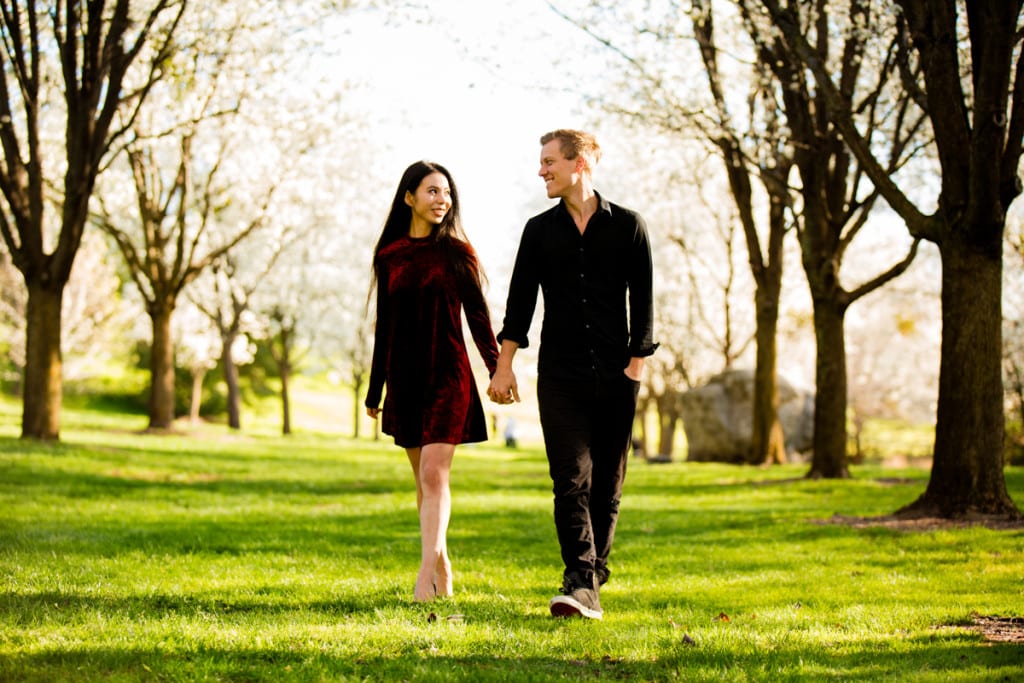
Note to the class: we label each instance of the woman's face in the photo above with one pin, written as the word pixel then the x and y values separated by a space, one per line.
pixel 432 200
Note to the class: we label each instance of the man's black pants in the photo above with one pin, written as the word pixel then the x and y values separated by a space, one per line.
pixel 588 428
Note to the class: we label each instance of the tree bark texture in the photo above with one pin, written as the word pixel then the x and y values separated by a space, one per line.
pixel 358 382
pixel 283 357
pixel 823 163
pixel 768 443
pixel 818 240
pixel 640 435
pixel 963 75
pixel 230 370
pixel 95 48
pixel 357 411
pixel 967 469
pixel 286 405
pixel 833 210
pixel 161 369
pixel 197 394
pixel 767 439
pixel 979 154
pixel 43 385
pixel 668 422
pixel 829 459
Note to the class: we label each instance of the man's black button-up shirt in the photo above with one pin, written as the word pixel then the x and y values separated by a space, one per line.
pixel 586 279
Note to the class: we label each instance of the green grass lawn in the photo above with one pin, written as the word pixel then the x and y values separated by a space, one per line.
pixel 254 557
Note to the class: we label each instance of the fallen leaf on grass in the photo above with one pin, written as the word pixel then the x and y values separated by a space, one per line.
pixel 722 616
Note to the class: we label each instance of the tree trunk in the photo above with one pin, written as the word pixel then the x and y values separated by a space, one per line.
pixel 286 408
pixel 197 395
pixel 357 415
pixel 357 404
pixel 666 436
pixel 230 370
pixel 967 470
pixel 829 459
pixel 977 140
pixel 161 369
pixel 43 384
pixel 857 421
pixel 668 419
pixel 642 439
pixel 767 442
pixel 284 370
pixel 96 56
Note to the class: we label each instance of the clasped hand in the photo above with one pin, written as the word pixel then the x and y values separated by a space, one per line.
pixel 503 388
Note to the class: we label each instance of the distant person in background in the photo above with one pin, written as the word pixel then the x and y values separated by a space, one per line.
pixel 589 257
pixel 510 433
pixel 426 274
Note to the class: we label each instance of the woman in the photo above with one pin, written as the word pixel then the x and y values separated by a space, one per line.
pixel 426 273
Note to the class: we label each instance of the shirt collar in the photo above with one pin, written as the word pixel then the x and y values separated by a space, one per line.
pixel 603 205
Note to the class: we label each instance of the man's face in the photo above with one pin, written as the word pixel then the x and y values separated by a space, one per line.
pixel 559 174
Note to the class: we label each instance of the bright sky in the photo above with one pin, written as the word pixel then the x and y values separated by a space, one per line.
pixel 469 86
pixel 471 89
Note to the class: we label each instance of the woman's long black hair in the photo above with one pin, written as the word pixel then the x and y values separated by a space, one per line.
pixel 448 232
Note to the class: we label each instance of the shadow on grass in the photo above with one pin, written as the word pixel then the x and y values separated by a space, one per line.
pixel 48 609
pixel 791 485
pixel 955 656
pixel 170 485
pixel 315 518
pixel 270 516
pixel 176 451
pixel 162 468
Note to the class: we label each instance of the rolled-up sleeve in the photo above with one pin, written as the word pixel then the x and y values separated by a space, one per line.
pixel 522 289
pixel 641 295
pixel 478 317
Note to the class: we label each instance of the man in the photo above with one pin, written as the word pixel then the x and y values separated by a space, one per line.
pixel 589 257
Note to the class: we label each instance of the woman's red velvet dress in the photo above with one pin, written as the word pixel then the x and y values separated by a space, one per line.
pixel 419 350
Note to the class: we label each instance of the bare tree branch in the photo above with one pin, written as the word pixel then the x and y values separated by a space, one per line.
pixel 891 274
pixel 786 20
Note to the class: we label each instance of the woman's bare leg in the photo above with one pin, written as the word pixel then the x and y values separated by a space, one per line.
pixel 435 575
pixel 414 460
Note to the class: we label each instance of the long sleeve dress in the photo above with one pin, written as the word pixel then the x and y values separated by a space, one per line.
pixel 419 350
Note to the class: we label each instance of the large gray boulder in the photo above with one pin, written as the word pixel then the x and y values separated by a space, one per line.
pixel 717 418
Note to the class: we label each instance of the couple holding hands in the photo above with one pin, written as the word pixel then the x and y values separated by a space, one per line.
pixel 592 260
